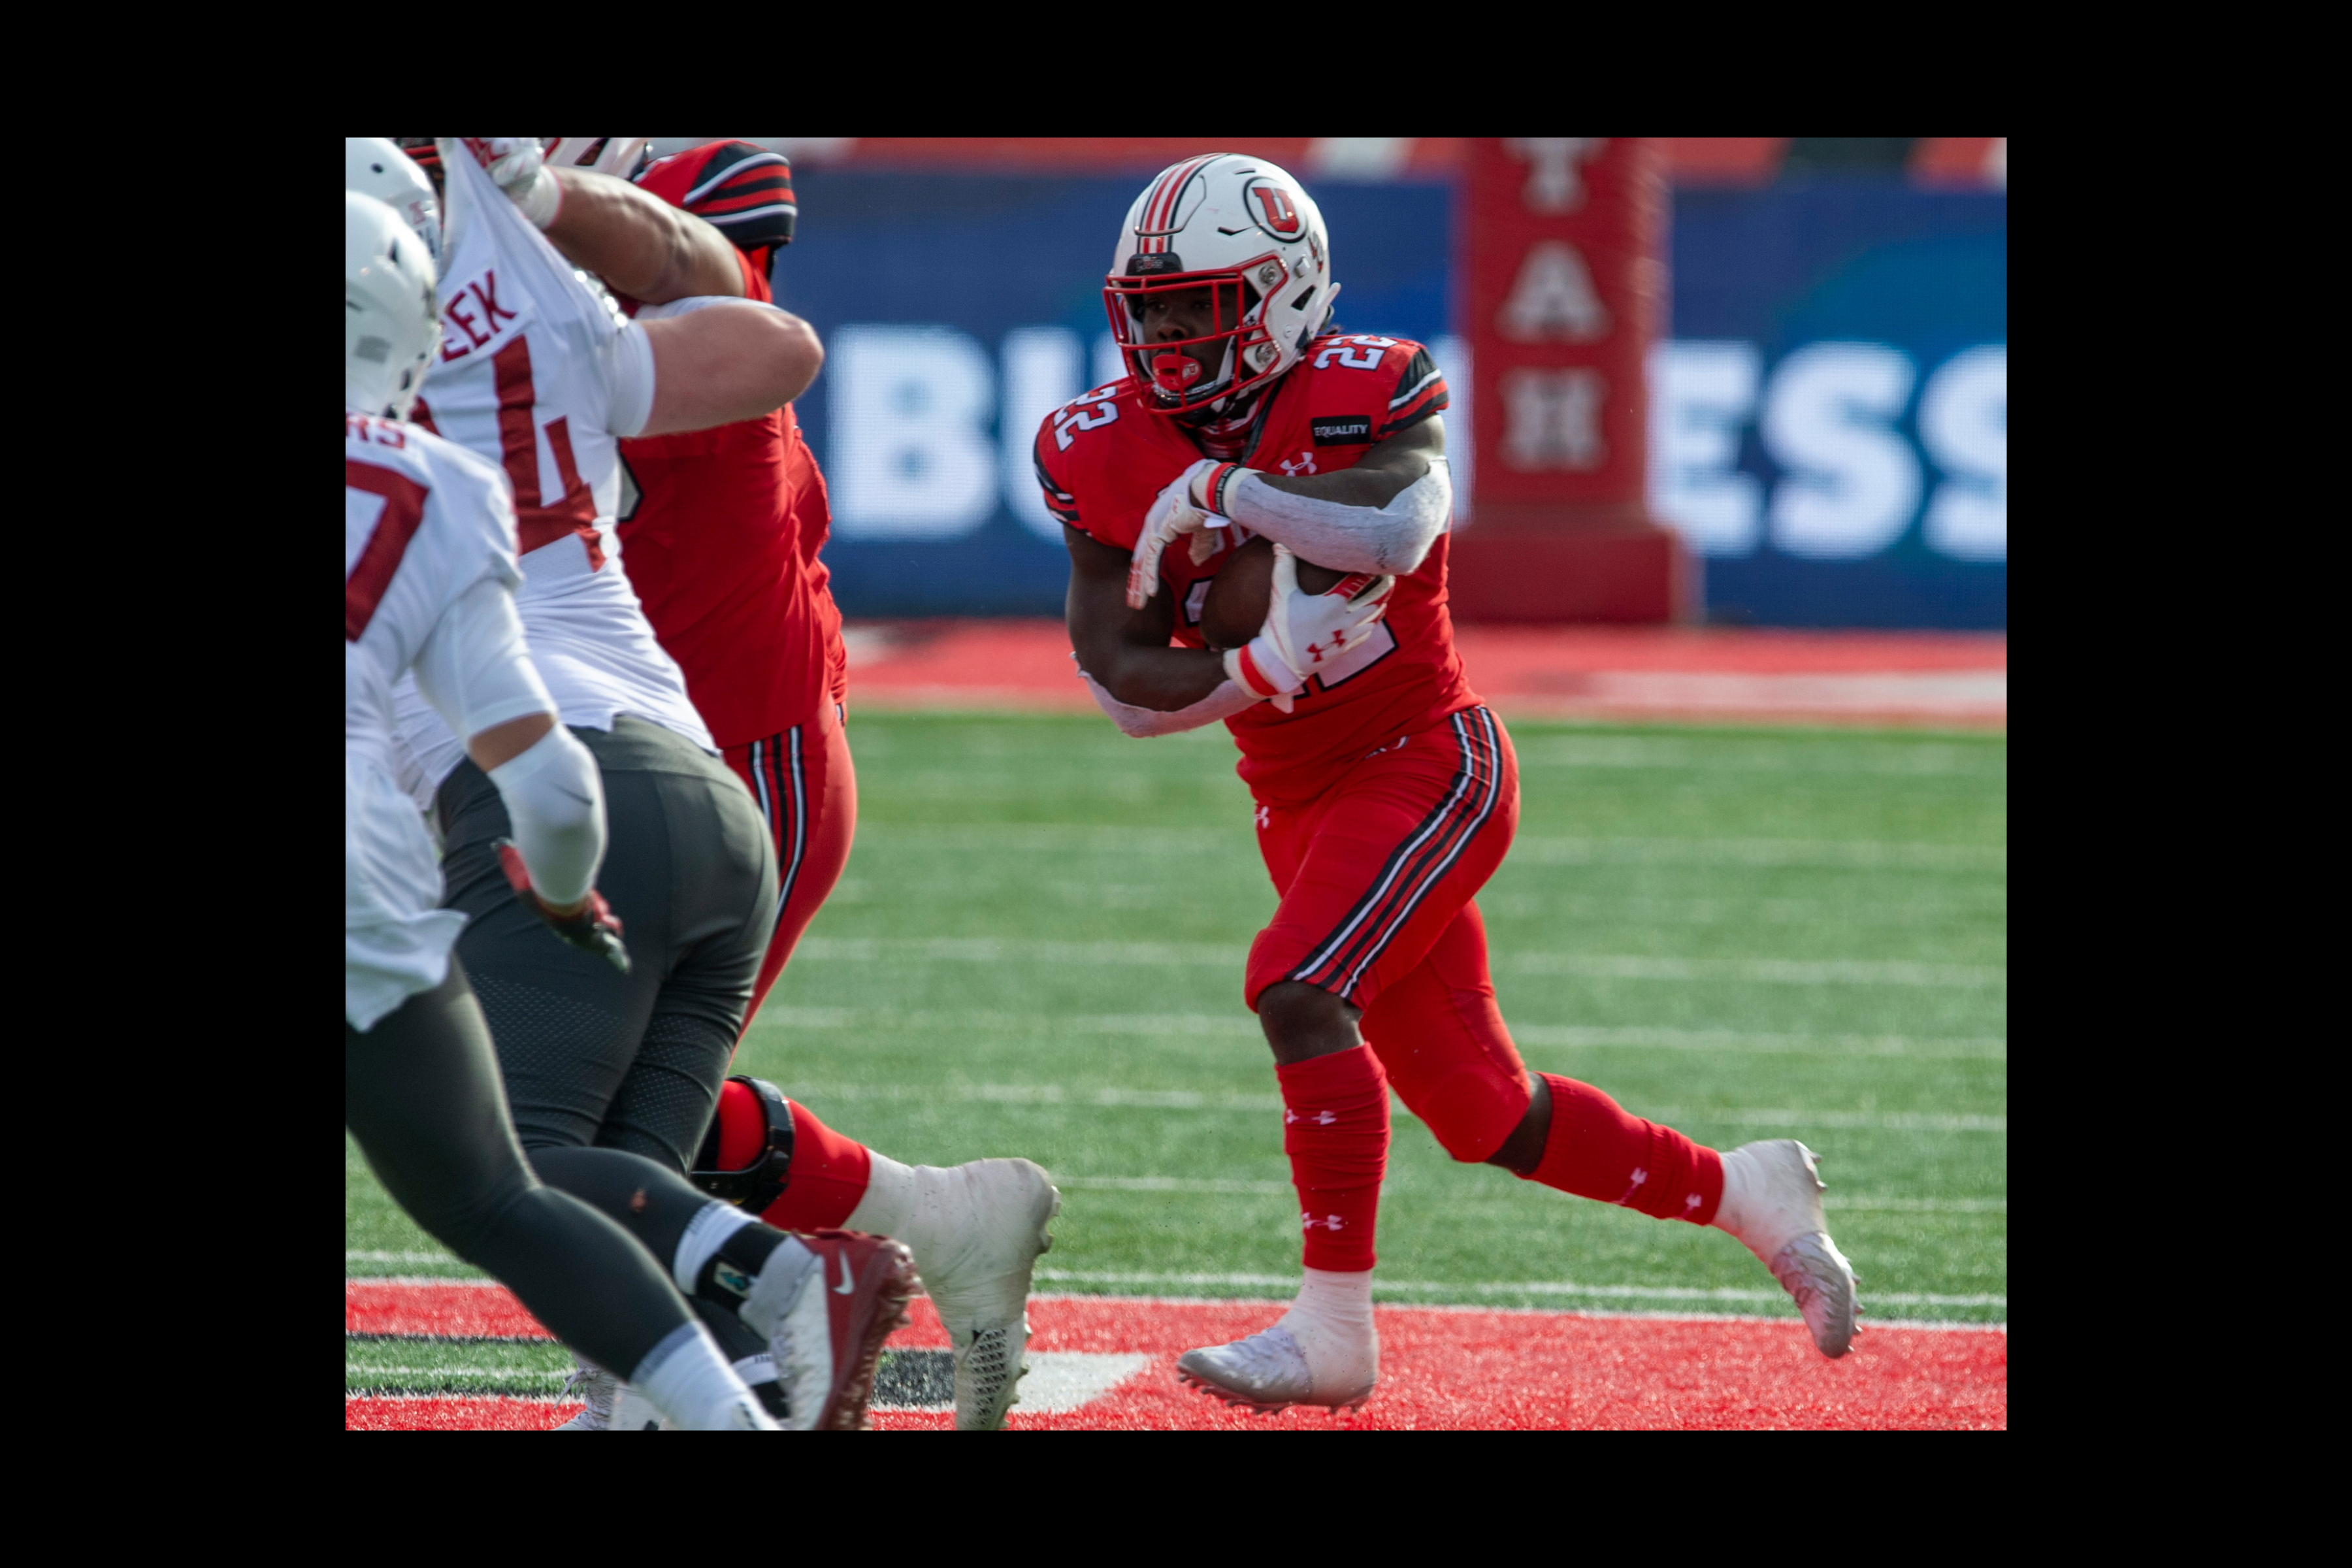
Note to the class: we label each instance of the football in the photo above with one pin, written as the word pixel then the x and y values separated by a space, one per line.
pixel 1235 610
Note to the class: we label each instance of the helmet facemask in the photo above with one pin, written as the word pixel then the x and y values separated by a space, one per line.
pixel 1171 377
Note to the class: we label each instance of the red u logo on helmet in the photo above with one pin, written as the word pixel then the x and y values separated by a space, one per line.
pixel 1276 213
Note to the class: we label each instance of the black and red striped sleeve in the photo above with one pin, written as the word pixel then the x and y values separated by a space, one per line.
pixel 1058 501
pixel 740 188
pixel 1420 393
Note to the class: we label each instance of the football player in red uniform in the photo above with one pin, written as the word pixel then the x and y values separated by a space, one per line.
pixel 722 533
pixel 1386 792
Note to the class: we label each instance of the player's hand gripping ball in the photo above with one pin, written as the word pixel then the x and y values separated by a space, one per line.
pixel 1174 515
pixel 1235 610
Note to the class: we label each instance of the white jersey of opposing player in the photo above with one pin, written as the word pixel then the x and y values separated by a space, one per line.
pixel 540 373
pixel 428 563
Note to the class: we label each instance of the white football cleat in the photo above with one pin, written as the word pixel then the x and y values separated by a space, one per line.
pixel 1772 1203
pixel 595 1388
pixel 977 1231
pixel 1299 1360
pixel 610 1406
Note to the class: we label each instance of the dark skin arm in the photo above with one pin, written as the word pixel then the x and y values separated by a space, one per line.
pixel 638 244
pixel 1127 650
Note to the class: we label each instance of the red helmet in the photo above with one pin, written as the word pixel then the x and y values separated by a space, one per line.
pixel 1246 231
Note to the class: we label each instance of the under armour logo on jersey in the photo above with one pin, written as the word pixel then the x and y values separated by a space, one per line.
pixel 1303 464
pixel 1265 818
pixel 1328 1222
pixel 1321 1118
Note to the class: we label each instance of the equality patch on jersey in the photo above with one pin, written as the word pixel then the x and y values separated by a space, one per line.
pixel 1355 430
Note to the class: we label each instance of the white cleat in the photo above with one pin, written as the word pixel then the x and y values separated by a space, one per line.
pixel 1297 1361
pixel 977 1231
pixel 1772 1203
pixel 595 1388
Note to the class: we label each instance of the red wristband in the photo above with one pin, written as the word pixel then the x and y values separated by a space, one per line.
pixel 1251 678
pixel 1219 480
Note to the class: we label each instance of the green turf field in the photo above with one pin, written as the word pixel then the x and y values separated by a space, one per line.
pixel 1037 951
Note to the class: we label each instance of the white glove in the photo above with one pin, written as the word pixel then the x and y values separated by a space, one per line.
pixel 1305 632
pixel 1172 512
pixel 519 166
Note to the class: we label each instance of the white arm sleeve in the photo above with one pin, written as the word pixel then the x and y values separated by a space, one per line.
pixel 476 672
pixel 629 372
pixel 474 668
pixel 1392 539
pixel 556 802
pixel 1142 723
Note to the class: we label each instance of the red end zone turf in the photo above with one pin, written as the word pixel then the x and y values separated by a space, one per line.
pixel 1441 1368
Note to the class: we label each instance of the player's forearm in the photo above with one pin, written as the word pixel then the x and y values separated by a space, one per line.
pixel 1320 521
pixel 1162 680
pixel 1143 724
pixel 738 361
pixel 639 245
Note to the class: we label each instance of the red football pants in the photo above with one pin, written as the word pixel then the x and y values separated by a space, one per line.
pixel 807 791
pixel 1376 877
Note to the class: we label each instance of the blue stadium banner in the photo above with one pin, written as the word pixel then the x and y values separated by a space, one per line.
pixel 1829 418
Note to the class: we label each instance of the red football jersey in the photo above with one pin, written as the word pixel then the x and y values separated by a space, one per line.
pixel 722 538
pixel 1103 458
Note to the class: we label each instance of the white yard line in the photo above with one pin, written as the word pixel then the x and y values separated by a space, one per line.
pixel 1199 1184
pixel 1576 965
pixel 817 1094
pixel 374 1369
pixel 1243 1025
pixel 1827 854
pixel 1543 1288
pixel 1218 1186
pixel 1501 1288
pixel 1820 854
pixel 419 1398
pixel 1896 759
pixel 1753 971
pixel 1574 1036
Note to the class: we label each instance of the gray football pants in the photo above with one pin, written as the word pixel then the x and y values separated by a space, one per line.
pixel 421 1094
pixel 593 1057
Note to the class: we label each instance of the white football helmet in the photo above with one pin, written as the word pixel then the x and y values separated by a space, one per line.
pixel 392 315
pixel 375 166
pixel 607 155
pixel 1248 231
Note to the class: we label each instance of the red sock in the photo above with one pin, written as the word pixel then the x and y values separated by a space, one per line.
pixel 1597 1150
pixel 1336 1131
pixel 828 1173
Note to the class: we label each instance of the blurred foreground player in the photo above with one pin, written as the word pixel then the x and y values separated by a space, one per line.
pixel 429 574
pixel 1386 793
pixel 721 538
pixel 610 1072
